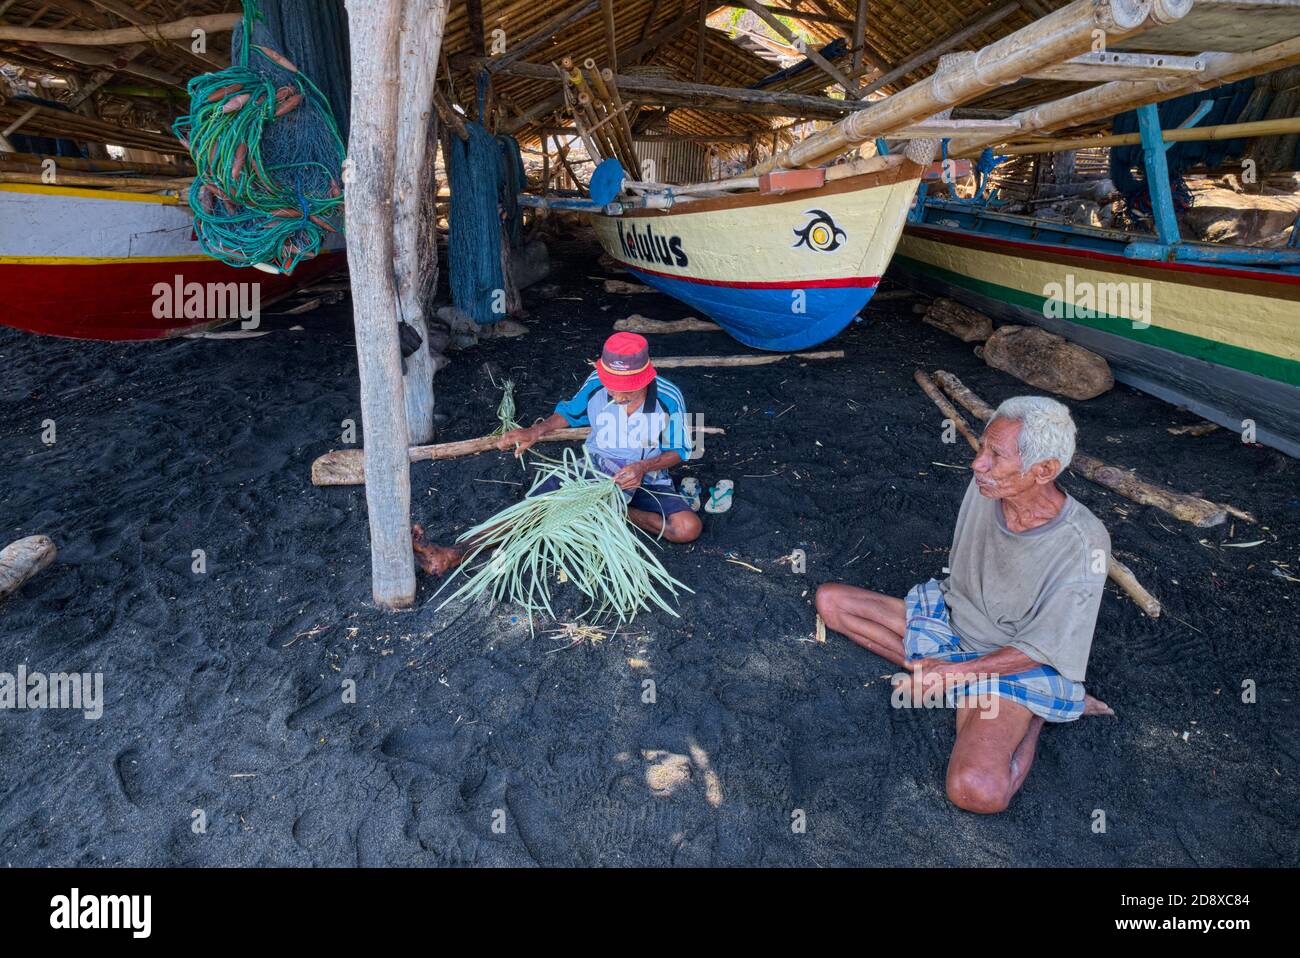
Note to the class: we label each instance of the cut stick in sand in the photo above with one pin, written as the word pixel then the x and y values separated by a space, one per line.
pixel 21 560
pixel 1180 505
pixel 675 362
pixel 1118 572
pixel 637 323
pixel 346 467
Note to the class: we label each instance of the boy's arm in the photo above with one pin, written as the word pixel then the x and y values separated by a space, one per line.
pixel 522 439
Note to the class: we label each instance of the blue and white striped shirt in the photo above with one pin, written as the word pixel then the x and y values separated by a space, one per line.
pixel 660 425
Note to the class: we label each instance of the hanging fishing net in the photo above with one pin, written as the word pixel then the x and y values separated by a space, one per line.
pixel 266 140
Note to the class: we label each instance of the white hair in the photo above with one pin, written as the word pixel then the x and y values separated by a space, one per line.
pixel 1046 429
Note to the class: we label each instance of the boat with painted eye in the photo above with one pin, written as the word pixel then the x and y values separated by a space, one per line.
pixel 780 269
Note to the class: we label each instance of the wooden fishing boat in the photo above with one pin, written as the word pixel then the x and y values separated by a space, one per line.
pixel 776 270
pixel 91 264
pixel 1221 339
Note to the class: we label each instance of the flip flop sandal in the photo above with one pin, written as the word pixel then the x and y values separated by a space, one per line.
pixel 691 492
pixel 719 497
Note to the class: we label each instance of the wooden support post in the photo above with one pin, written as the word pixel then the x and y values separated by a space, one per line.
pixel 375 32
pixel 700 29
pixel 859 38
pixel 415 246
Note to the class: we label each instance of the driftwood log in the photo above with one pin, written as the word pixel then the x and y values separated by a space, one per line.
pixel 21 560
pixel 1180 505
pixel 346 467
pixel 968 325
pixel 636 323
pixel 1047 361
pixel 1117 571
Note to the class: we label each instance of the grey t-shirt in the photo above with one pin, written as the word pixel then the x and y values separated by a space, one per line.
pixel 1037 591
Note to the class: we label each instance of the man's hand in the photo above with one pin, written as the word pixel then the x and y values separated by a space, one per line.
pixel 630 476
pixel 518 439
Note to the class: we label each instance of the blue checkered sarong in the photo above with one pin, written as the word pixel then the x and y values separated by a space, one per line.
pixel 929 635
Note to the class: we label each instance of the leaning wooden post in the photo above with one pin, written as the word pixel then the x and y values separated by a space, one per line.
pixel 375 27
pixel 414 235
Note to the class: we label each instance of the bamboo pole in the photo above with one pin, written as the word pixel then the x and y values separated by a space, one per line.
pixel 1108 99
pixel 153 32
pixel 374 33
pixel 933 52
pixel 1116 571
pixel 346 467
pixel 1063 34
pixel 622 129
pixel 1186 508
pixel 1223 131
pixel 625 118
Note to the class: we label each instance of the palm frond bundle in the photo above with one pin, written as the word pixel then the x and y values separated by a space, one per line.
pixel 579 529
pixel 506 409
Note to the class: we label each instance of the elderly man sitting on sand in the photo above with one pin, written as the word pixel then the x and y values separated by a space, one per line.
pixel 639 431
pixel 1005 637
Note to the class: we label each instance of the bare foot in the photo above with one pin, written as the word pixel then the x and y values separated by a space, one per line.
pixel 1092 706
pixel 435 560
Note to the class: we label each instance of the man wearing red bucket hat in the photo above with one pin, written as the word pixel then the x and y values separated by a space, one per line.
pixel 638 432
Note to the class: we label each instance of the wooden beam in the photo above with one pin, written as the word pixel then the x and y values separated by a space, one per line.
pixel 477 39
pixel 859 37
pixel 543 34
pixel 700 30
pixel 933 52
pixel 809 53
pixel 1195 134
pixel 133 16
pixel 150 32
pixel 611 47
pixel 678 89
pixel 374 30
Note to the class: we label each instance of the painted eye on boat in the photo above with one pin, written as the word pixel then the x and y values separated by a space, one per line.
pixel 819 233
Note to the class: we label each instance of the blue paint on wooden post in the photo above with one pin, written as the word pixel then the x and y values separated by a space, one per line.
pixel 1157 175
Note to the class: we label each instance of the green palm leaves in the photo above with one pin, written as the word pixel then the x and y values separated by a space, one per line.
pixel 577 531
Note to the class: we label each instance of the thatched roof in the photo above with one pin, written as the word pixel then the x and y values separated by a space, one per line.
pixel 659 34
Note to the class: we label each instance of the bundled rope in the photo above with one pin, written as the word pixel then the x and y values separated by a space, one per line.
pixel 577 532
pixel 269 157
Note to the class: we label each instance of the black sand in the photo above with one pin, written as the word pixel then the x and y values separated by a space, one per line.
pixel 224 690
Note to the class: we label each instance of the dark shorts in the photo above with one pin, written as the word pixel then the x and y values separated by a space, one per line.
pixel 648 499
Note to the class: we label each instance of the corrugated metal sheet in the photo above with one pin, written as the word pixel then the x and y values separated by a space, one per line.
pixel 679 161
